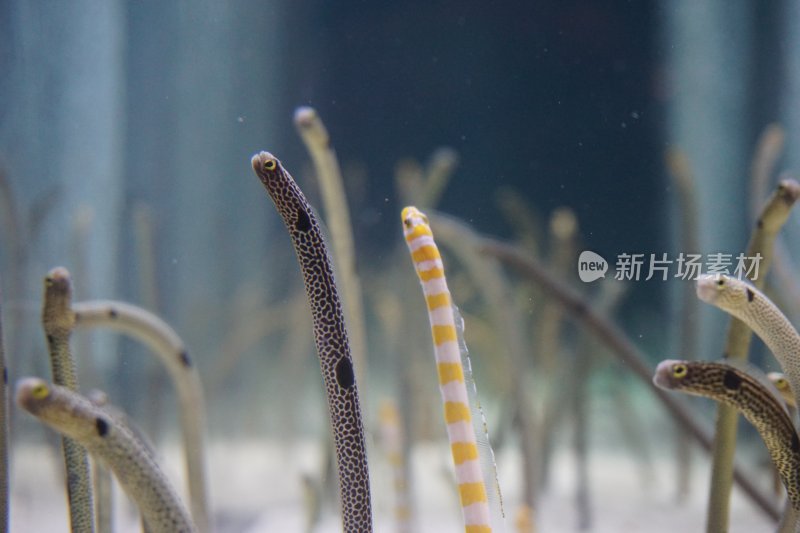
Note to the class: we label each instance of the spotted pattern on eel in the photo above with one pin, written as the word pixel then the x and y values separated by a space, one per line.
pixel 58 323
pixel 106 438
pixel 330 337
pixel 752 307
pixel 761 407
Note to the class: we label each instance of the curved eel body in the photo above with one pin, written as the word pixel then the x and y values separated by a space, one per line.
pixel 752 307
pixel 330 337
pixel 170 349
pixel 761 407
pixel 473 486
pixel 108 440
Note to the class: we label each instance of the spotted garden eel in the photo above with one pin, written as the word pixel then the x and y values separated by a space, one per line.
pixel 784 388
pixel 621 346
pixel 773 215
pixel 337 215
pixel 111 442
pixel 58 323
pixel 752 307
pixel 761 407
pixel 170 349
pixel 330 337
pixel 476 487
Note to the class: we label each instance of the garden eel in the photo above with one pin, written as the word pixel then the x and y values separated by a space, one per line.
pixel 784 388
pixel 170 349
pixel 3 434
pixel 507 339
pixel 752 307
pixel 331 185
pixel 58 322
pixel 548 333
pixel 393 443
pixel 774 214
pixel 330 337
pixel 621 346
pixel 110 441
pixel 440 169
pixel 688 210
pixel 101 477
pixel 519 216
pixel 778 379
pixel 761 407
pixel 475 486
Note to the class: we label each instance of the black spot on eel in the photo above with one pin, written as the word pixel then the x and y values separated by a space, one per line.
pixel 330 337
pixel 752 396
pixel 752 307
pixel 111 442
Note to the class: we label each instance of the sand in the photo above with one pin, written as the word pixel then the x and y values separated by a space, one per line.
pixel 256 488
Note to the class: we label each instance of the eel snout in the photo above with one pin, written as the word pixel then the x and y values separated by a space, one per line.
pixel 663 376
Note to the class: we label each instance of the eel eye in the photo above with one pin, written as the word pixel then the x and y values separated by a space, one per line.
pixel 781 384
pixel 679 371
pixel 270 164
pixel 407 223
pixel 720 282
pixel 40 392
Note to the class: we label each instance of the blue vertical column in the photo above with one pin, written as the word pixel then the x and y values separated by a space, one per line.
pixel 707 47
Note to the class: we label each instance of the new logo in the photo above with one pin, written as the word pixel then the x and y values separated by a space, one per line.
pixel 591 266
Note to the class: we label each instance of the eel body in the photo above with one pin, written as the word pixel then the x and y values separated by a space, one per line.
pixel 106 438
pixel 170 349
pixel 330 337
pixel 752 307
pixel 752 396
pixel 474 485
pixel 58 323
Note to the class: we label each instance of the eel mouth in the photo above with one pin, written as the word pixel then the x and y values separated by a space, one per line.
pixel 663 375
pixel 707 287
pixel 26 393
pixel 259 161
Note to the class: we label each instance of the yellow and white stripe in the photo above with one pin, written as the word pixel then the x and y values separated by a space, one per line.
pixel 472 486
pixel 392 439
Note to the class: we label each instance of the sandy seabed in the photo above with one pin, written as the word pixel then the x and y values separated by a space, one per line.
pixel 256 488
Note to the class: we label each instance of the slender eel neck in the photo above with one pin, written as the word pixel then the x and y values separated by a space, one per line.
pixel 117 446
pixel 755 309
pixel 330 337
pixel 761 407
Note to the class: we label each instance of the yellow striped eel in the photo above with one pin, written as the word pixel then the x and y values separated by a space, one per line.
pixel 58 323
pixel 469 447
pixel 752 307
pixel 761 407
pixel 330 337
pixel 111 442
pixel 393 442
